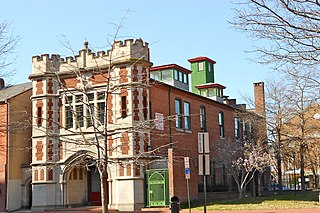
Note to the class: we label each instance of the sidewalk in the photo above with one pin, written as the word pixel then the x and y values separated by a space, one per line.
pixel 98 209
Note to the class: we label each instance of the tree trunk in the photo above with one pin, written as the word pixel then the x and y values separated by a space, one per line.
pixel 254 190
pixel 279 162
pixel 104 192
pixel 259 183
pixel 241 193
pixel 303 182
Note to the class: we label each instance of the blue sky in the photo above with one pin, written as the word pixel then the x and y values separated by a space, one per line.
pixel 175 30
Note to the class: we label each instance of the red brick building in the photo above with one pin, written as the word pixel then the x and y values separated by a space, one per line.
pixel 153 124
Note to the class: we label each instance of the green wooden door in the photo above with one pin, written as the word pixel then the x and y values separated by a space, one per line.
pixel 157 188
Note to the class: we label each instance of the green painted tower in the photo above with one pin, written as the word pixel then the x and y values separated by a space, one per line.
pixel 202 72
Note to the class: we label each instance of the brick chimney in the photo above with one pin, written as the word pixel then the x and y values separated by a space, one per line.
pixel 1 83
pixel 259 99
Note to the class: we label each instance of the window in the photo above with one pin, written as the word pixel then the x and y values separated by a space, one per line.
pixel 203 92
pixel 90 109
pixel 185 78
pixel 166 75
pixel 69 117
pixel 203 124
pixel 221 124
pixel 244 130
pixel 201 66
pixel 178 113
pixel 101 113
pixel 209 67
pixel 187 118
pixel 145 107
pixel 79 110
pixel 39 116
pixel 236 128
pixel 176 75
pixel 123 106
pixel 101 107
pixel 210 92
pixel 180 76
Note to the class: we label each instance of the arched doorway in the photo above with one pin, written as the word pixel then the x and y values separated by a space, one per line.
pixel 157 188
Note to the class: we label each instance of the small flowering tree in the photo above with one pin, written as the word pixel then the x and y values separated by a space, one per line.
pixel 242 161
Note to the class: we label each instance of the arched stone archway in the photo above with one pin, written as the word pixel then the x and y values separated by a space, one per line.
pixel 81 184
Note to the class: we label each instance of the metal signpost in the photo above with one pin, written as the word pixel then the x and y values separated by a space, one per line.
pixel 187 173
pixel 204 162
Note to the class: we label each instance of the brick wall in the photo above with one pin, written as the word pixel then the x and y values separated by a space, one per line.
pixel 185 142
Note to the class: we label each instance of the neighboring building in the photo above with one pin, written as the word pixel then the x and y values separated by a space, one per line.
pixel 152 125
pixel 15 143
pixel 301 139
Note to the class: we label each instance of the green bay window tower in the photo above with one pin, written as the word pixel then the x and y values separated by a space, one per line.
pixel 202 72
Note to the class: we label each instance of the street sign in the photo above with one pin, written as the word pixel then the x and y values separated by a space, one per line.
pixel 187 167
pixel 186 162
pixel 200 142
pixel 203 142
pixel 187 172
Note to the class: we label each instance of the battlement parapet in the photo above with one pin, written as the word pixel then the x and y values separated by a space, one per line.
pixel 120 51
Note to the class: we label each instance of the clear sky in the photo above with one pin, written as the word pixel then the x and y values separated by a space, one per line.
pixel 175 30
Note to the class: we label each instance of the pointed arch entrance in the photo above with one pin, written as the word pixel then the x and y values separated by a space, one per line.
pixel 82 184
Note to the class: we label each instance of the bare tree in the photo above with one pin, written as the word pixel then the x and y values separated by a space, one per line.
pixel 288 27
pixel 277 113
pixel 8 42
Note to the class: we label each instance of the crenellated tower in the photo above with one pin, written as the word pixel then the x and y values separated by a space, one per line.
pixel 73 98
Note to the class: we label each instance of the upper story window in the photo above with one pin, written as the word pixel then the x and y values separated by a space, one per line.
pixel 244 129
pixel 210 67
pixel 236 128
pixel 221 124
pixel 178 111
pixel 101 105
pixel 39 116
pixel 187 118
pixel 123 106
pixel 203 121
pixel 90 109
pixel 176 75
pixel 79 111
pixel 68 112
pixel 201 66
pixel 185 78
pixel 83 110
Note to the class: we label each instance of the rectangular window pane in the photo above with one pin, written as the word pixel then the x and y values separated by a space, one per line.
pixel 101 96
pixel 186 108
pixel 180 76
pixel 79 98
pixel 123 106
pixel 203 118
pixel 69 117
pixel 39 116
pixel 176 75
pixel 221 124
pixel 90 97
pixel 79 109
pixel 166 75
pixel 101 112
pixel 236 127
pixel 201 67
pixel 90 114
pixel 185 78
pixel 178 113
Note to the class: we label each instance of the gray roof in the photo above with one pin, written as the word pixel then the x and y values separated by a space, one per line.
pixel 11 91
